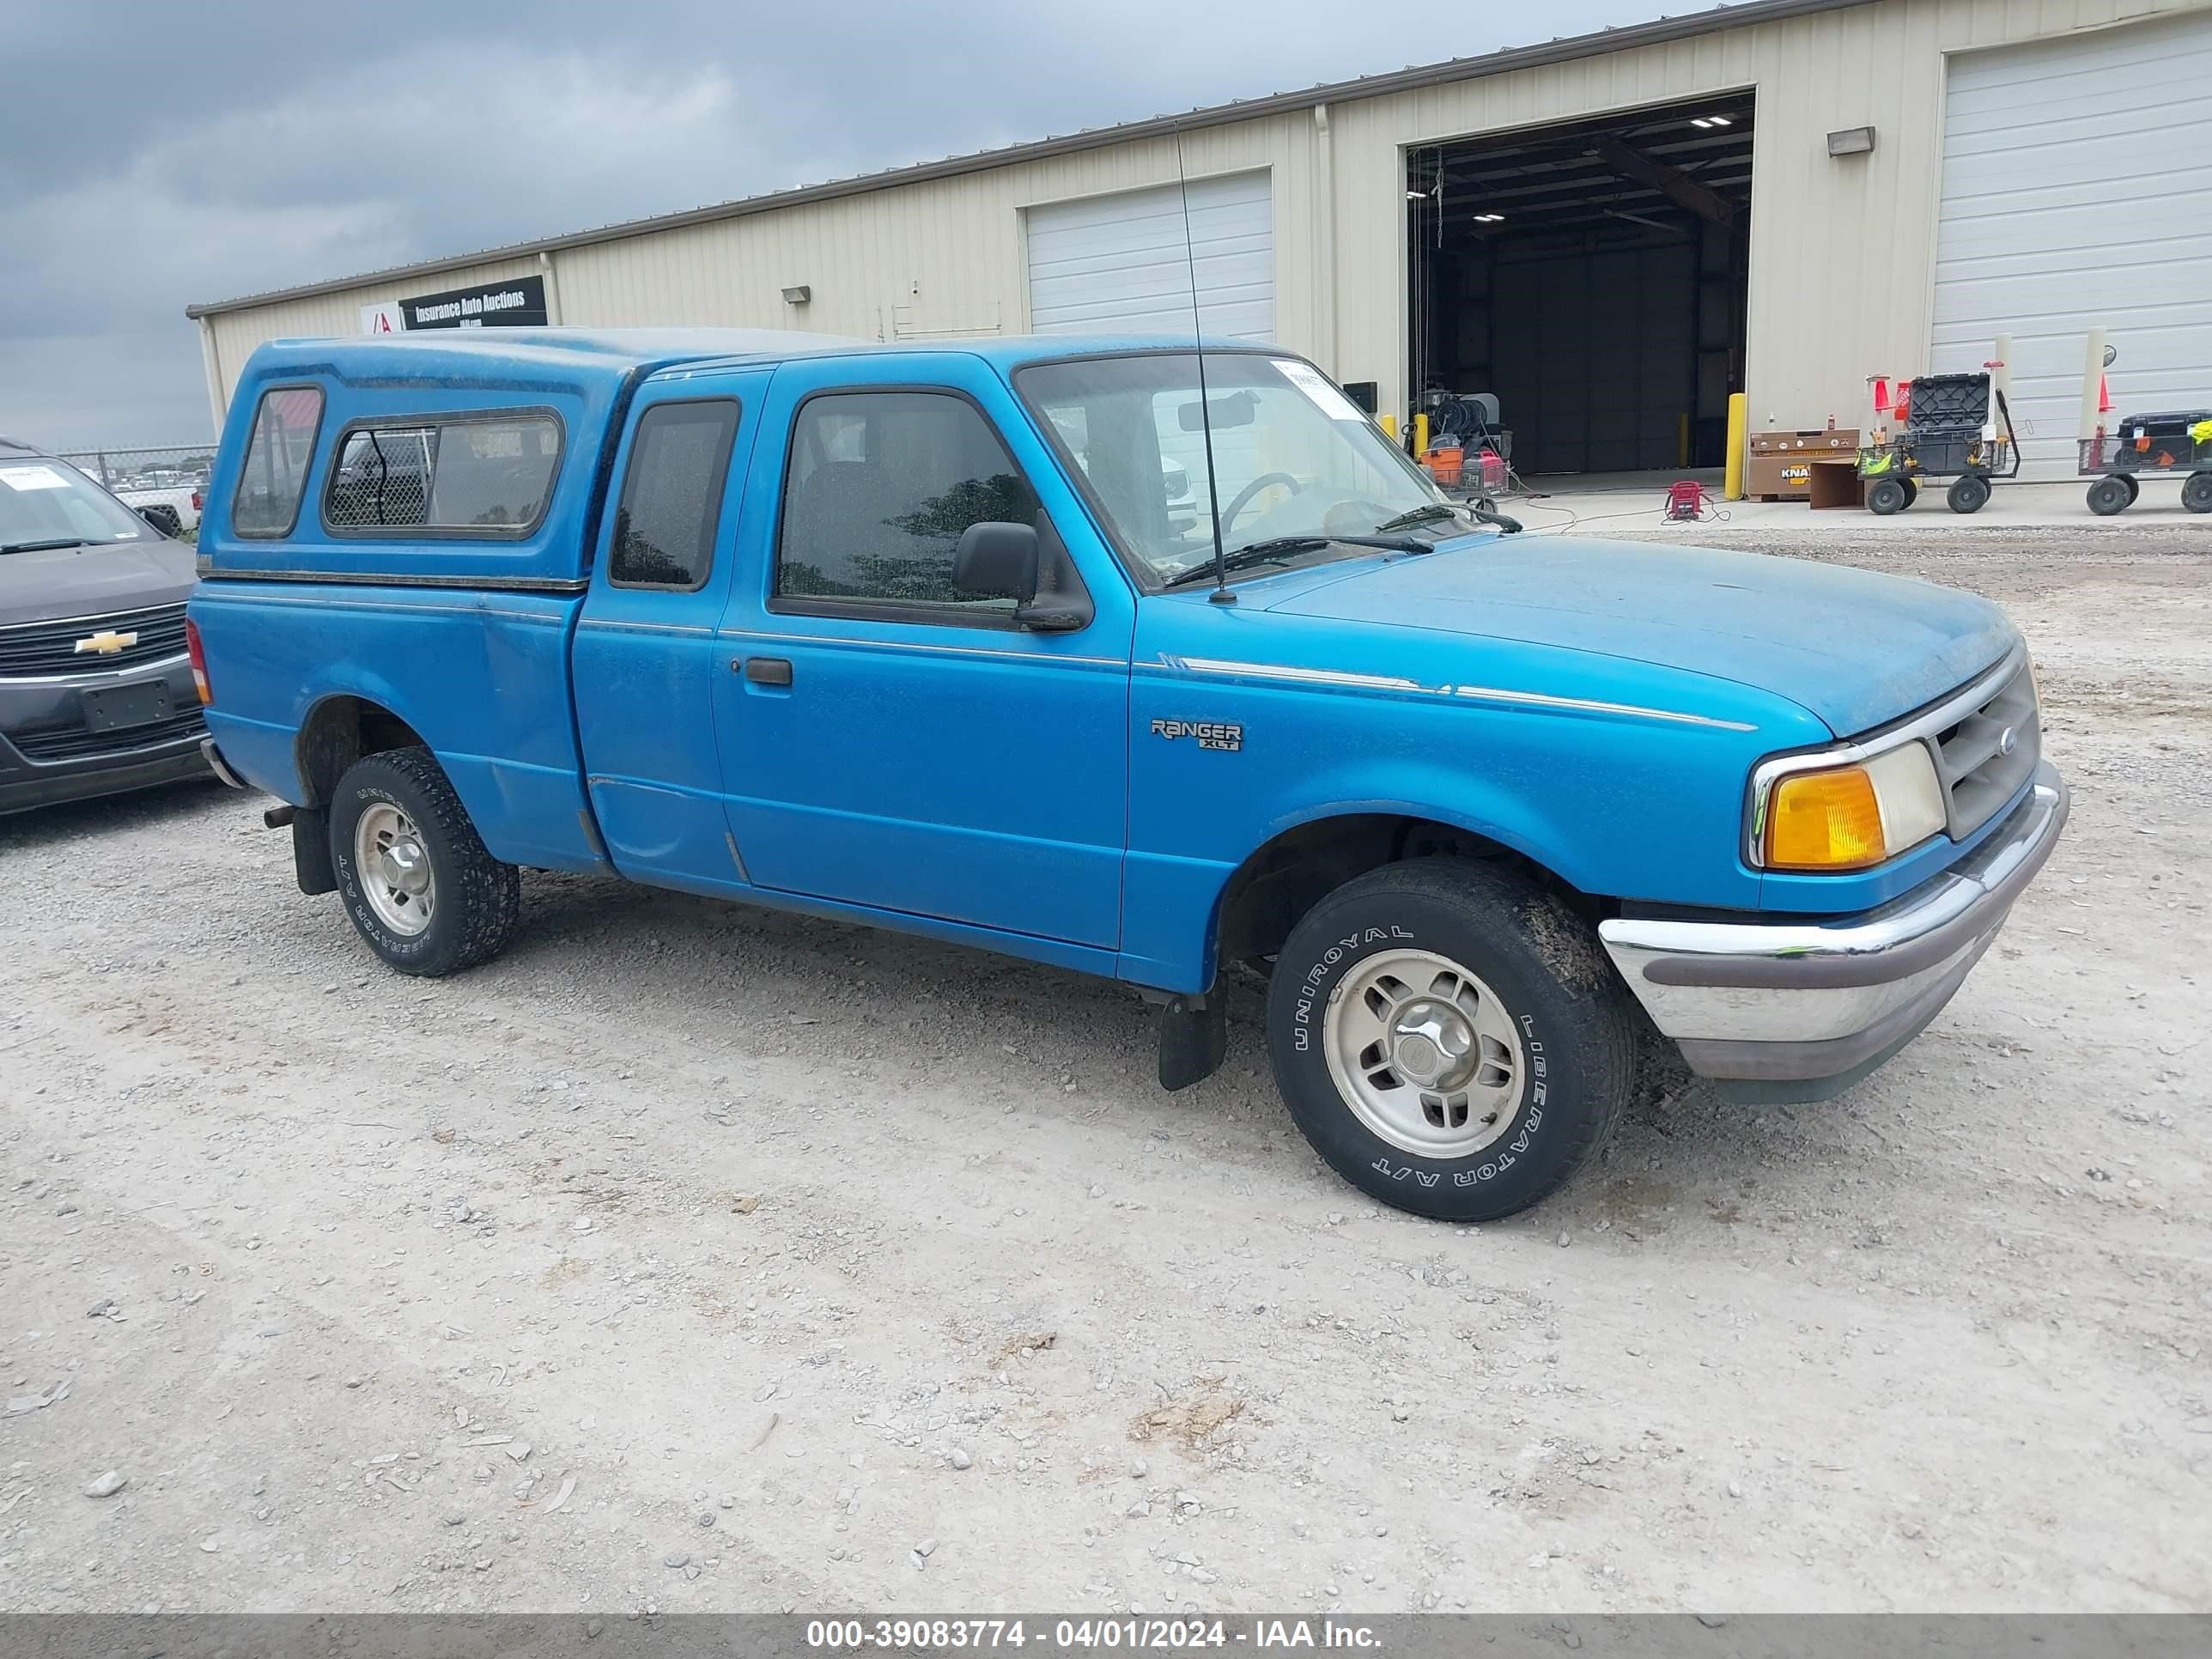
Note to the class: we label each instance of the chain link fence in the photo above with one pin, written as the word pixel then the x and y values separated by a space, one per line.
pixel 163 466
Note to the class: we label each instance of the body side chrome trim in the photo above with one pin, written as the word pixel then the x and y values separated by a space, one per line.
pixel 553 618
pixel 1358 682
pixel 852 644
pixel 366 579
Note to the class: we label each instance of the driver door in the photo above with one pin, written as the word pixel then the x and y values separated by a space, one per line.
pixel 887 741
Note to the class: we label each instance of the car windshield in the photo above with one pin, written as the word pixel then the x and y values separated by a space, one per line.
pixel 1294 458
pixel 44 501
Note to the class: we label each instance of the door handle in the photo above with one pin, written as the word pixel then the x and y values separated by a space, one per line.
pixel 768 671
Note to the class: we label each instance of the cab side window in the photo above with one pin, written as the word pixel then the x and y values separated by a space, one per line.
pixel 878 487
pixel 486 475
pixel 274 475
pixel 672 495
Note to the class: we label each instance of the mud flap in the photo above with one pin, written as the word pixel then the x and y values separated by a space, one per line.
pixel 311 851
pixel 1194 1037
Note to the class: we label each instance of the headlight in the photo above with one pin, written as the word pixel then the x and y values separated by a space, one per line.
pixel 1847 817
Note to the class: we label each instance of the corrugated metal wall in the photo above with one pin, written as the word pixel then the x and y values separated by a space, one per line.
pixel 1841 250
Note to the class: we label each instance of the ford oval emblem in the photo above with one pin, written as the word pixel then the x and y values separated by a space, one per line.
pixel 2008 742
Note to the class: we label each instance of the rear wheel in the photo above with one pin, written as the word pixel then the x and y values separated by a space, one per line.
pixel 1449 1038
pixel 1888 496
pixel 415 876
pixel 2108 495
pixel 2196 492
pixel 1911 491
pixel 1969 493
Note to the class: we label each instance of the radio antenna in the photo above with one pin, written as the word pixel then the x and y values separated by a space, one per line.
pixel 1222 594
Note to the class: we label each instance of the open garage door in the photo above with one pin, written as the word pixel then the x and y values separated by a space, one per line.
pixel 1590 275
pixel 1118 264
pixel 2077 192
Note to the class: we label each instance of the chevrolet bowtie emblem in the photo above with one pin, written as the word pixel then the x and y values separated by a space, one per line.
pixel 107 643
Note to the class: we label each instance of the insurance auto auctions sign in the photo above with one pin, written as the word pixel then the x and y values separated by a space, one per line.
pixel 518 303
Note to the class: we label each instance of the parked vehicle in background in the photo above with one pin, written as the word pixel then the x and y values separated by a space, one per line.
pixel 96 691
pixel 172 508
pixel 916 637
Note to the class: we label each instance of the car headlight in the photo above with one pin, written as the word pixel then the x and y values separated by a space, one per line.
pixel 1847 817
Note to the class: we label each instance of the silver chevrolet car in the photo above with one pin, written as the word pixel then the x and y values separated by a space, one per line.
pixel 97 691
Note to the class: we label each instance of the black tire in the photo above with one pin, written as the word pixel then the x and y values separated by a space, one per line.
pixel 1969 493
pixel 2196 492
pixel 1888 496
pixel 2110 494
pixel 1578 1049
pixel 1911 491
pixel 2134 484
pixel 477 899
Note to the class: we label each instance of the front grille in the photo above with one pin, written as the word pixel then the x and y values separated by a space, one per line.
pixel 74 743
pixel 45 648
pixel 1980 773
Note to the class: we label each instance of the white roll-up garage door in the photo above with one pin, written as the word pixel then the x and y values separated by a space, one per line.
pixel 1117 263
pixel 2077 191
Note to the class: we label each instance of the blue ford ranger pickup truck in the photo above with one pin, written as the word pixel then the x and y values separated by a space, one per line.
pixel 921 637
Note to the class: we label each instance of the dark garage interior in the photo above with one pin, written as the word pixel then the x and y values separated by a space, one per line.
pixel 1591 276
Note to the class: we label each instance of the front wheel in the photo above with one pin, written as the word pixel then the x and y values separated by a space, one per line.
pixel 1888 496
pixel 1969 495
pixel 1449 1038
pixel 2196 492
pixel 416 880
pixel 2110 494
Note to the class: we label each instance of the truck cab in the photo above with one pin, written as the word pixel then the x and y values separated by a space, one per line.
pixel 930 638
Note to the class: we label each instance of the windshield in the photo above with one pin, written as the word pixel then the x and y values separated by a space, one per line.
pixel 1293 456
pixel 44 501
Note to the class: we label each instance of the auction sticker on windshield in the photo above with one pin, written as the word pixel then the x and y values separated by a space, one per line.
pixel 1332 403
pixel 32 478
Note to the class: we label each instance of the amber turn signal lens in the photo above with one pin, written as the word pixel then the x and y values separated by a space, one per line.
pixel 1825 821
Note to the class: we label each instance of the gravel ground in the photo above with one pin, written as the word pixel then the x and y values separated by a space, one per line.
pixel 694 1257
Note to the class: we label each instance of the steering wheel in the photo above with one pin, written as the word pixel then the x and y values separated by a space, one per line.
pixel 1244 495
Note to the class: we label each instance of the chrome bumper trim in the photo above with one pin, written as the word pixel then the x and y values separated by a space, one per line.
pixel 1810 1000
pixel 213 757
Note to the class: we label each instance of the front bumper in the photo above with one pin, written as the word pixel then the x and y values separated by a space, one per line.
pixel 48 756
pixel 1801 1010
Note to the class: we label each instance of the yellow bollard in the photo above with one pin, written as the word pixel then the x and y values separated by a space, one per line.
pixel 1732 479
pixel 1420 435
pixel 1390 426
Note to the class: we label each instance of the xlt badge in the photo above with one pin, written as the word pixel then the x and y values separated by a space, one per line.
pixel 1211 734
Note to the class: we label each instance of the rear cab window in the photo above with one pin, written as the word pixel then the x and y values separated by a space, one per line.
pixel 670 513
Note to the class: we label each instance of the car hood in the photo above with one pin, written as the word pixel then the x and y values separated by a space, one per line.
pixel 91 581
pixel 1855 649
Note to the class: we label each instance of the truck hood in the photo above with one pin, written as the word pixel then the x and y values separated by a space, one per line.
pixel 91 581
pixel 1855 649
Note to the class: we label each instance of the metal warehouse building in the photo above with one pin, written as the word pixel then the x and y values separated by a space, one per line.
pixel 1611 232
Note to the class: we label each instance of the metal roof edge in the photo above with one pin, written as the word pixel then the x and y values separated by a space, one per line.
pixel 1658 32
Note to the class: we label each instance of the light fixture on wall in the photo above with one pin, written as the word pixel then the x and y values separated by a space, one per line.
pixel 1851 141
pixel 798 294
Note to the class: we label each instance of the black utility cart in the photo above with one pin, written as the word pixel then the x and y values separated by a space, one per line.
pixel 1948 432
pixel 2174 445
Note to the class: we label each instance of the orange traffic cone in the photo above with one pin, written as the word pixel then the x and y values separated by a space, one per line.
pixel 2104 396
pixel 1881 394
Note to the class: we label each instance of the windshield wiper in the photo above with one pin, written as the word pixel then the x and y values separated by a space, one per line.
pixel 1436 512
pixel 1277 550
pixel 44 547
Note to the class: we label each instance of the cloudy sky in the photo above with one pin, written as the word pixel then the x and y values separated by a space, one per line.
pixel 158 153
